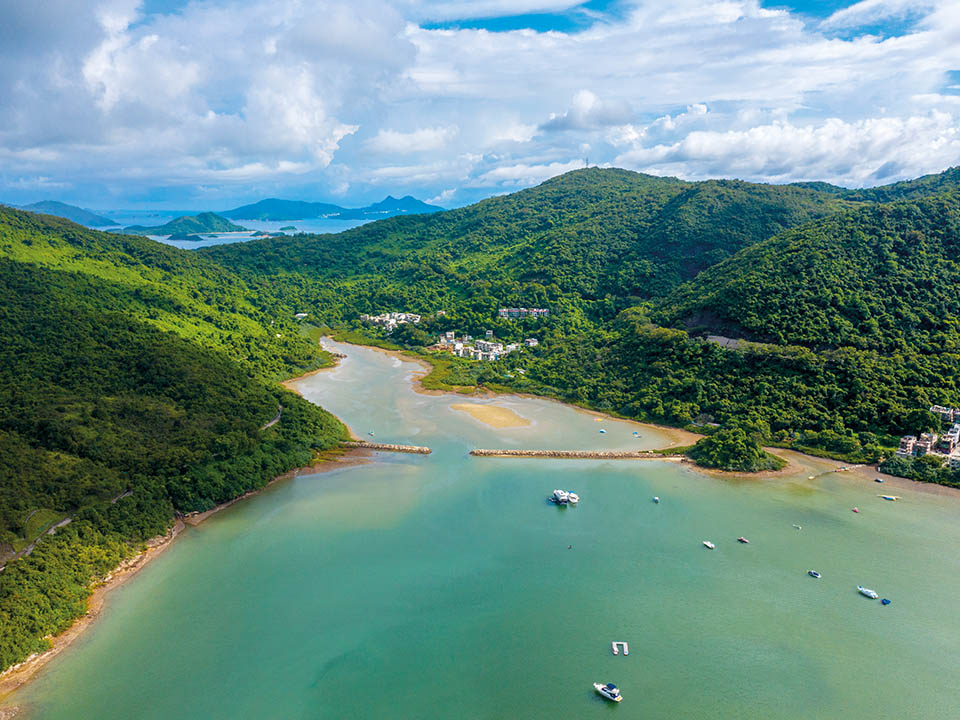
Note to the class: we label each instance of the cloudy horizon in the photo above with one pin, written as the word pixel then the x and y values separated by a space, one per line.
pixel 201 104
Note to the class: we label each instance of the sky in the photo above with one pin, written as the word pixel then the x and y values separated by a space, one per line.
pixel 208 104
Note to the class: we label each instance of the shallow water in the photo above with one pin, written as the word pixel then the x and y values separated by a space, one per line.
pixel 442 586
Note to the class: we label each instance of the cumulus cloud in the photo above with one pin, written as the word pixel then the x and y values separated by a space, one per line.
pixel 362 94
pixel 863 152
pixel 421 140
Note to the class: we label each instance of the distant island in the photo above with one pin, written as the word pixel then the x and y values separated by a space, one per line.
pixel 70 212
pixel 184 227
pixel 275 209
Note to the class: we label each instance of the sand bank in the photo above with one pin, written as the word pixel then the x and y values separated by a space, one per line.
pixel 494 415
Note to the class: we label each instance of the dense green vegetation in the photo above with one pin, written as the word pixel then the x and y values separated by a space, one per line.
pixel 732 448
pixel 187 225
pixel 136 378
pixel 134 384
pixel 842 313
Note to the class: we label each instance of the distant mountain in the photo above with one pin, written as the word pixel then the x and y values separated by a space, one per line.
pixel 187 225
pixel 70 212
pixel 276 209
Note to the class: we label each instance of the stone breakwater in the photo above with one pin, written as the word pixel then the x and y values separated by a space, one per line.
pixel 581 454
pixel 387 447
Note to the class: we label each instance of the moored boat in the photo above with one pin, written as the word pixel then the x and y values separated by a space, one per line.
pixel 559 497
pixel 656 499
pixel 743 540
pixel 856 510
pixel 813 574
pixel 609 691
pixel 573 498
pixel 890 497
pixel 867 592
pixel 709 545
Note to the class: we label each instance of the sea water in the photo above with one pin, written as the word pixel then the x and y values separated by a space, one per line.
pixel 445 586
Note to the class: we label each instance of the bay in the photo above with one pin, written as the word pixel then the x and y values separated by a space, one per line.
pixel 445 586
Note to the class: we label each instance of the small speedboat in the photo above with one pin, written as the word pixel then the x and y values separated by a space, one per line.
pixel 609 691
pixel 890 497
pixel 602 431
pixel 813 574
pixel 798 527
pixel 879 480
pixel 856 510
pixel 656 499
pixel 885 601
pixel 708 545
pixel 867 592
pixel 370 433
pixel 743 540
pixel 573 498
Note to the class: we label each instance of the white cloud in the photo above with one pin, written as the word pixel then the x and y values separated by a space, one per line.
pixel 422 140
pixel 867 151
pixel 868 12
pixel 356 94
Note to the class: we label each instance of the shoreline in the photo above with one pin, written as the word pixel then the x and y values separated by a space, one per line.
pixel 17 676
pixel 797 462
pixel 675 436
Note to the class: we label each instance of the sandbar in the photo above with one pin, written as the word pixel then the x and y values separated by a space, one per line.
pixel 494 415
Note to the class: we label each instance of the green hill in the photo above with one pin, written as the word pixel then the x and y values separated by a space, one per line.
pixel 188 225
pixel 590 237
pixel 882 278
pixel 133 369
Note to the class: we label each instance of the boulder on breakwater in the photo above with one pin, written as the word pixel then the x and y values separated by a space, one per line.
pixel 387 447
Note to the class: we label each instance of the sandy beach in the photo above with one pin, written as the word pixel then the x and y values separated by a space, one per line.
pixel 493 415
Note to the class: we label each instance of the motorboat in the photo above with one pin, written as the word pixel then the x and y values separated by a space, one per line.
pixel 885 601
pixel 609 691
pixel 879 480
pixel 890 497
pixel 708 545
pixel 656 499
pixel 867 592
pixel 856 510
pixel 560 497
pixel 798 527
pixel 573 498
pixel 743 540
pixel 813 574
pixel 602 431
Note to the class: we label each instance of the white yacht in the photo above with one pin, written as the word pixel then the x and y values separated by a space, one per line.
pixel 867 592
pixel 609 691
pixel 573 498
pixel 708 545
pixel 560 497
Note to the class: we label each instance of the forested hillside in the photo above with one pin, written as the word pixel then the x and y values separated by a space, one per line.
pixel 600 239
pixel 882 278
pixel 854 301
pixel 134 383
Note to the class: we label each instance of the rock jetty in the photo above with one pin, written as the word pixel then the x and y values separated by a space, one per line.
pixel 581 454
pixel 387 447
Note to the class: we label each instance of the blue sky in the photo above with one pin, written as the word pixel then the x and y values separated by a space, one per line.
pixel 206 104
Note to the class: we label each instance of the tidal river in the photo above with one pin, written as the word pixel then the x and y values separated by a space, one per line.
pixel 444 586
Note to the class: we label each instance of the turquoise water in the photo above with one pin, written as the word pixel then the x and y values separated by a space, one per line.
pixel 442 586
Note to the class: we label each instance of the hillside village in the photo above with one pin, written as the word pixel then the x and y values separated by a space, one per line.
pixel 488 349
pixel 946 446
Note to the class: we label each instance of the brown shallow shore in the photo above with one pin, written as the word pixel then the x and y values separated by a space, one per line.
pixel 16 676
pixel 798 463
